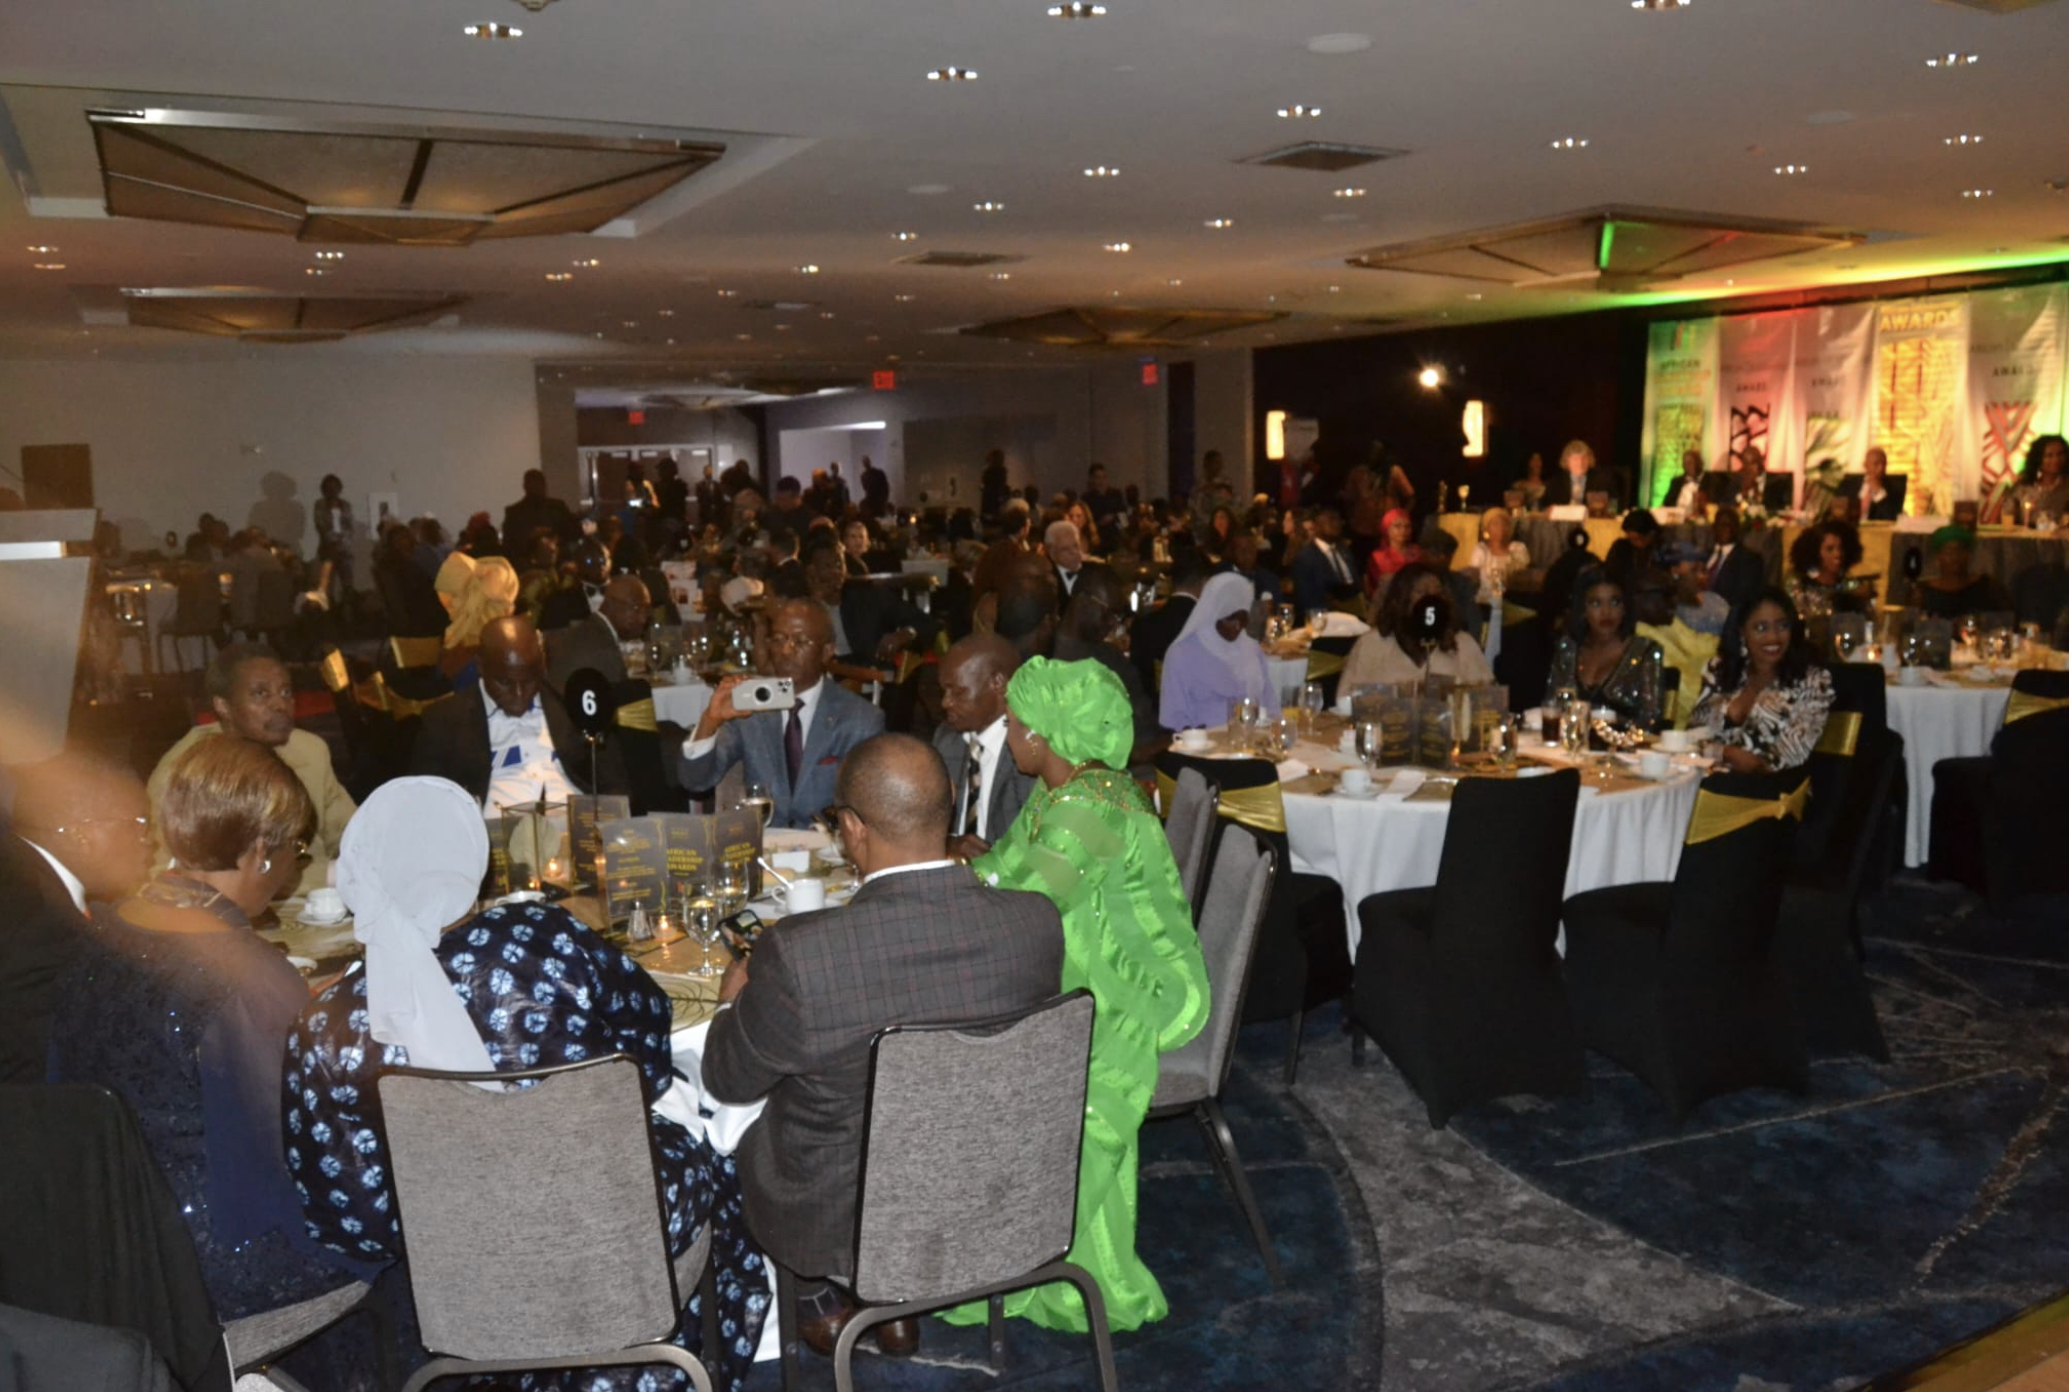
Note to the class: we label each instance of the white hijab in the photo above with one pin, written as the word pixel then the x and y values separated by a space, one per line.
pixel 410 863
pixel 1222 596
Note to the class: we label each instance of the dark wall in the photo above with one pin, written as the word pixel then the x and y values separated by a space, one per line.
pixel 1545 381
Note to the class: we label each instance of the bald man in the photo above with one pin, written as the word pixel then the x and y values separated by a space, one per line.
pixel 510 740
pixel 989 788
pixel 79 835
pixel 595 642
pixel 922 942
pixel 795 752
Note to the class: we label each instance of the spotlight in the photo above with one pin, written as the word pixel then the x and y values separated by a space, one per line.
pixel 1430 378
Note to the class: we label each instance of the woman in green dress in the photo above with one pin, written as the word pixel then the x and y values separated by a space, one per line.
pixel 1088 839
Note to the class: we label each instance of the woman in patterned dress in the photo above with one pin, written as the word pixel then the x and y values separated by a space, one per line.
pixel 1088 840
pixel 1765 694
pixel 516 986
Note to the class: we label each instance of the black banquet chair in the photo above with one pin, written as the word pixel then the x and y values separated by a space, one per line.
pixel 1460 983
pixel 1677 981
pixel 2035 719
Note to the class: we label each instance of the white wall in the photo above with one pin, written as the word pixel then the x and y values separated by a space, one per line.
pixel 1221 411
pixel 249 439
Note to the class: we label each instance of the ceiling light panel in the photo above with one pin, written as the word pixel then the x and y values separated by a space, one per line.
pixel 1077 9
pixel 1953 60
pixel 493 31
pixel 1299 111
pixel 952 73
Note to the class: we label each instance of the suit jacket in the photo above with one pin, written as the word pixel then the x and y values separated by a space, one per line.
pixel 39 931
pixel 787 581
pixel 1892 505
pixel 1316 583
pixel 528 515
pixel 1741 577
pixel 843 721
pixel 924 947
pixel 871 611
pixel 1009 786
pixel 591 642
pixel 564 608
pixel 454 743
pixel 1559 490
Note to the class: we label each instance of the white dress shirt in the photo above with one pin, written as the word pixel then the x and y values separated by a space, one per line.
pixel 991 745
pixel 523 764
pixel 874 876
pixel 65 877
pixel 807 708
pixel 1685 495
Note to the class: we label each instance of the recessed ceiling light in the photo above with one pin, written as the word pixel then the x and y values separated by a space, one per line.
pixel 1174 281
pixel 952 73
pixel 1102 171
pixel 1789 169
pixel 631 323
pixel 808 269
pixel 905 236
pixel 744 338
pixel 1350 193
pixel 1978 193
pixel 727 294
pixel 671 343
pixel 43 250
pixel 664 314
pixel 493 31
pixel 826 314
pixel 1953 60
pixel 1336 289
pixel 1077 9
pixel 599 334
pixel 584 263
pixel 988 206
pixel 1476 295
pixel 560 275
pixel 1118 246
pixel 1339 43
pixel 50 265
pixel 1219 224
pixel 1570 142
pixel 1662 6
pixel 783 328
pixel 872 338
pixel 312 270
pixel 330 256
pixel 904 299
pixel 1299 111
pixel 1001 275
pixel 1960 140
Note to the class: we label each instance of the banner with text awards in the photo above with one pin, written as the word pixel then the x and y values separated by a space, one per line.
pixel 1835 357
pixel 1921 398
pixel 1680 401
pixel 2016 343
pixel 1756 378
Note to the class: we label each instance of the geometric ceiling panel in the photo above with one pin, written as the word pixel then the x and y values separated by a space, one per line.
pixel 1614 248
pixel 396 185
pixel 261 317
pixel 1101 326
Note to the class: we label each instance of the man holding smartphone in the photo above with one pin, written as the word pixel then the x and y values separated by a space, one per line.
pixel 795 752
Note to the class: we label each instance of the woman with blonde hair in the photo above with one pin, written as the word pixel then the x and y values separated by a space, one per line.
pixel 1499 558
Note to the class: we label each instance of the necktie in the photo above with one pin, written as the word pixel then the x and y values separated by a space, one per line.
pixel 794 745
pixel 1336 563
pixel 1716 564
pixel 973 785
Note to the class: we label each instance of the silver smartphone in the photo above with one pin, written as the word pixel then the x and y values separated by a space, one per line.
pixel 763 694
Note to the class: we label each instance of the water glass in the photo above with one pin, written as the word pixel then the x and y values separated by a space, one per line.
pixel 1498 739
pixel 1311 705
pixel 732 887
pixel 1243 717
pixel 755 796
pixel 1286 734
pixel 1369 747
pixel 1574 724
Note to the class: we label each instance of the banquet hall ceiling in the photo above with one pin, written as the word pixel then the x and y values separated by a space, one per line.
pixel 1466 117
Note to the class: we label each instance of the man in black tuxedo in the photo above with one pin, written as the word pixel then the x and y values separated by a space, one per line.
pixel 924 941
pixel 535 513
pixel 576 602
pixel 1065 550
pixel 786 573
pixel 1753 486
pixel 1735 574
pixel 1322 573
pixel 79 834
pixel 989 788
pixel 512 741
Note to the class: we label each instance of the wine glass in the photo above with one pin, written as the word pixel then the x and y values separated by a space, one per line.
pixel 732 887
pixel 1369 743
pixel 1311 705
pixel 1574 723
pixel 755 797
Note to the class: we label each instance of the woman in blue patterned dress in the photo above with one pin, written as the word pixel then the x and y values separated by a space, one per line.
pixel 518 986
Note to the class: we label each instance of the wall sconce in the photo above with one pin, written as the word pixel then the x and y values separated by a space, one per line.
pixel 1275 435
pixel 1474 423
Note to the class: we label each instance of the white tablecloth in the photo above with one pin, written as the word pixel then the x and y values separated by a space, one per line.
pixel 1386 843
pixel 1953 721
pixel 682 705
pixel 1288 675
pixel 160 602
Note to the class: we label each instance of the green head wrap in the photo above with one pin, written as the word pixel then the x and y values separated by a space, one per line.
pixel 1950 533
pixel 1080 708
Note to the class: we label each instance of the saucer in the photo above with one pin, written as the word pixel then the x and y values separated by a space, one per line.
pixel 1370 793
pixel 302 915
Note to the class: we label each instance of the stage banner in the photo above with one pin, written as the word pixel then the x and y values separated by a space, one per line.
pixel 1756 370
pixel 2015 351
pixel 1680 401
pixel 1835 363
pixel 1921 398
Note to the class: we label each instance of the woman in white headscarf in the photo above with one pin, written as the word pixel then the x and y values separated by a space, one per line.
pixel 1214 660
pixel 513 986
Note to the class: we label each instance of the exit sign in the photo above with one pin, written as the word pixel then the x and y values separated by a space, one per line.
pixel 883 381
pixel 1149 374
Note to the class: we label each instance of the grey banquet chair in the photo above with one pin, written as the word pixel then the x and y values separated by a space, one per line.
pixel 1190 1078
pixel 551 1189
pixel 1189 826
pixel 969 1179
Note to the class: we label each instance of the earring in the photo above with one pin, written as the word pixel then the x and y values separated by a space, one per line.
pixel 266 866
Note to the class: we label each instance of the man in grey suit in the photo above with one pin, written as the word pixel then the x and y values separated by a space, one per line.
pixel 924 941
pixel 594 642
pixel 796 753
pixel 989 786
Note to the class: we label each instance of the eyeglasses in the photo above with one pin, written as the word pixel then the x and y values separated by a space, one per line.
pixel 834 811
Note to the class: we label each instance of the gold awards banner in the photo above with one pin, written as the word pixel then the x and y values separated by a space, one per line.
pixel 1954 388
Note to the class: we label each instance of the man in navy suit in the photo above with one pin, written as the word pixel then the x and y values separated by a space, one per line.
pixel 796 754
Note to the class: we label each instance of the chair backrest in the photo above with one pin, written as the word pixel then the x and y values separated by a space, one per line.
pixel 1239 889
pixel 416 652
pixel 1862 687
pixel 969 1169
pixel 199 608
pixel 1728 887
pixel 1862 798
pixel 531 1214
pixel 1188 825
pixel 1503 911
pixel 273 601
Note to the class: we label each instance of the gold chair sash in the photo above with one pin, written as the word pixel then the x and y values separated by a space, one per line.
pixel 336 675
pixel 416 652
pixel 2025 703
pixel 1842 734
pixel 1720 814
pixel 378 695
pixel 1323 664
pixel 1262 807
pixel 637 715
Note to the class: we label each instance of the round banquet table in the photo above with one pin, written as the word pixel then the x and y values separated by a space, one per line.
pixel 1390 842
pixel 680 703
pixel 1949 718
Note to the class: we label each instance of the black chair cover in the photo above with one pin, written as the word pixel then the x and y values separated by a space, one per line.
pixel 1677 982
pixel 1460 983
pixel 1961 788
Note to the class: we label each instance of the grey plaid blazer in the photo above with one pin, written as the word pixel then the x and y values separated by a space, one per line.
pixel 922 947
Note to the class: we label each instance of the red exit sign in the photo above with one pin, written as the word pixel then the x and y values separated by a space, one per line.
pixel 883 381
pixel 1149 374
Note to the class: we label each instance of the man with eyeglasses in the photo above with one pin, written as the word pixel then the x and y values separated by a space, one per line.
pixel 78 835
pixel 795 753
pixel 254 699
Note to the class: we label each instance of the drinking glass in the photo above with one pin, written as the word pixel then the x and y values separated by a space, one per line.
pixel 1369 747
pixel 1243 716
pixel 756 797
pixel 1311 705
pixel 731 887
pixel 1286 734
pixel 1574 723
pixel 700 919
pixel 1460 703
pixel 1499 739
pixel 1965 630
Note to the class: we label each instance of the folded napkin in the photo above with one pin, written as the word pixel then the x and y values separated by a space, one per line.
pixel 1290 769
pixel 1336 625
pixel 1405 781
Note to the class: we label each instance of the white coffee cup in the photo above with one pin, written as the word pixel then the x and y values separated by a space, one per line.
pixel 1354 780
pixel 1674 741
pixel 1192 739
pixel 1343 706
pixel 1653 764
pixel 324 905
pixel 805 895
